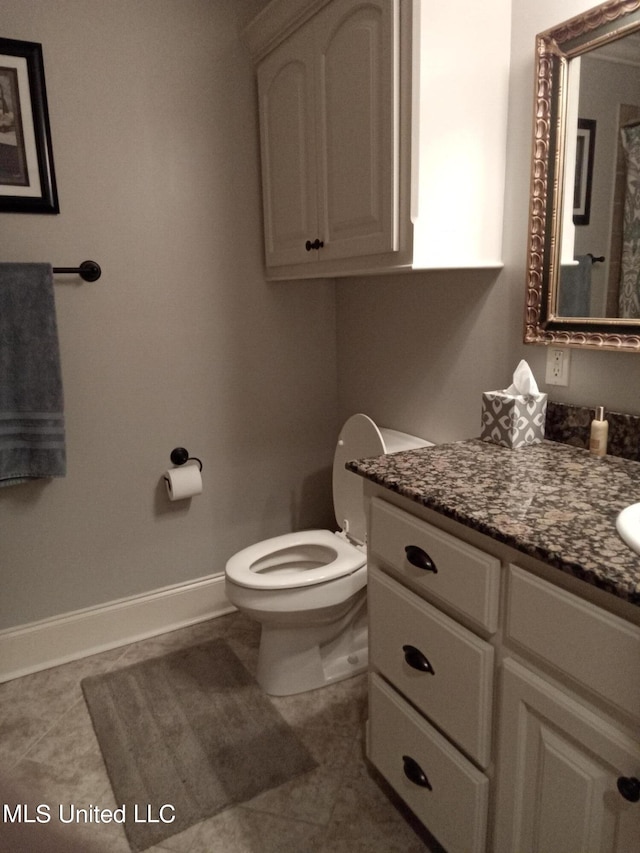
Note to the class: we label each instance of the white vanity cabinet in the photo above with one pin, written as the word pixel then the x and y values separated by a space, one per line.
pixel 382 134
pixel 504 706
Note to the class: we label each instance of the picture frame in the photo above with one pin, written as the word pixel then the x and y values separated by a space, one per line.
pixel 27 175
pixel 585 154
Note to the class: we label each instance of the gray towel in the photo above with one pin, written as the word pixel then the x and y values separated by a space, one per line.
pixel 575 288
pixel 32 438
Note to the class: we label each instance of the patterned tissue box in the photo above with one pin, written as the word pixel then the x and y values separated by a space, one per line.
pixel 513 421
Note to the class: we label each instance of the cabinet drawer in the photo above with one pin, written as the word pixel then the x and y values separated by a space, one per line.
pixel 454 806
pixel 456 690
pixel 596 648
pixel 466 578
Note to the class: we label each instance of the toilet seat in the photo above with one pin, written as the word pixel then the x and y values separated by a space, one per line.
pixel 294 560
pixel 308 557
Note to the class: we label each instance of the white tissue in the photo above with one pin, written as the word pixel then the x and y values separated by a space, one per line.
pixel 524 383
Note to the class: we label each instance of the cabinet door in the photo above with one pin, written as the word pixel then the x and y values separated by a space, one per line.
pixel 357 78
pixel 288 149
pixel 558 767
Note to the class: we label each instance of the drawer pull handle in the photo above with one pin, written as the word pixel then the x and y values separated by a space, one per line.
pixel 415 773
pixel 419 558
pixel 629 788
pixel 317 244
pixel 417 660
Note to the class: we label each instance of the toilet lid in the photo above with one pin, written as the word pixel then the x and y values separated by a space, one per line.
pixel 359 437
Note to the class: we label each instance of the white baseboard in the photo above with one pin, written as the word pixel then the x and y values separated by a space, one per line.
pixel 50 642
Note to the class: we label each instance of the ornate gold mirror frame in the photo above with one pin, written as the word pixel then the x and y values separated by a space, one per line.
pixel 555 48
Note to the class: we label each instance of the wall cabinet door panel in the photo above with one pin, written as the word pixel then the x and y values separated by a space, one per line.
pixel 357 58
pixel 328 128
pixel 288 150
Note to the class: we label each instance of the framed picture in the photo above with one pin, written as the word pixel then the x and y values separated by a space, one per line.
pixel 27 177
pixel 585 151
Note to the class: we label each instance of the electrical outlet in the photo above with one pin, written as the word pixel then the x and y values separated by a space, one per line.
pixel 557 366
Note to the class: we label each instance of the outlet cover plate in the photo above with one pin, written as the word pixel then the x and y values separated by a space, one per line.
pixel 558 359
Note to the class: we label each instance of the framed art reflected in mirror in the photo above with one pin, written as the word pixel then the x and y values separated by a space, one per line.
pixel 583 179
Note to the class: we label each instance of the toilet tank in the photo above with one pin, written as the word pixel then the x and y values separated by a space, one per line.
pixel 359 438
pixel 395 441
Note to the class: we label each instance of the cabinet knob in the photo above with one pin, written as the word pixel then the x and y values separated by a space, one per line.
pixel 419 558
pixel 629 787
pixel 417 660
pixel 415 773
pixel 317 244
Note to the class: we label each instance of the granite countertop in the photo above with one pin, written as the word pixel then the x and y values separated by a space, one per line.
pixel 552 501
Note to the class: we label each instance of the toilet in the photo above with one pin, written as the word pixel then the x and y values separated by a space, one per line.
pixel 308 589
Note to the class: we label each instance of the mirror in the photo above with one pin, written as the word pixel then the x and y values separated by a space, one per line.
pixel 583 277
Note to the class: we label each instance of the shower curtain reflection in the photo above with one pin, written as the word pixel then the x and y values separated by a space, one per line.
pixel 630 272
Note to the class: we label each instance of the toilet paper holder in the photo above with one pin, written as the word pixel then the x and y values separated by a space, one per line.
pixel 180 455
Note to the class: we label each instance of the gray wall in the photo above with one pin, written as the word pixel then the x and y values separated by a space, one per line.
pixel 181 342
pixel 418 350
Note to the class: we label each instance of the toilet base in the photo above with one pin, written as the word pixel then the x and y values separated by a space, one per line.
pixel 294 660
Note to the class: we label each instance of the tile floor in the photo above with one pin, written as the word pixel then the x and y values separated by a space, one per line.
pixel 49 751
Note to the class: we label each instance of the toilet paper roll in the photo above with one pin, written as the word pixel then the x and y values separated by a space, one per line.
pixel 183 482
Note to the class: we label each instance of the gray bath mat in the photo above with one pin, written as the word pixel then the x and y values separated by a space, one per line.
pixel 190 731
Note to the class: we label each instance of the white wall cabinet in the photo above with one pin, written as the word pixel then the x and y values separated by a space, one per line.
pixel 508 719
pixel 382 134
pixel 327 101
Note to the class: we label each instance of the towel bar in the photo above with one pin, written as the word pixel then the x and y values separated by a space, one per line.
pixel 88 270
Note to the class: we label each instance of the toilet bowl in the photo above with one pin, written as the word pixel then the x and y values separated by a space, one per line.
pixel 308 588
